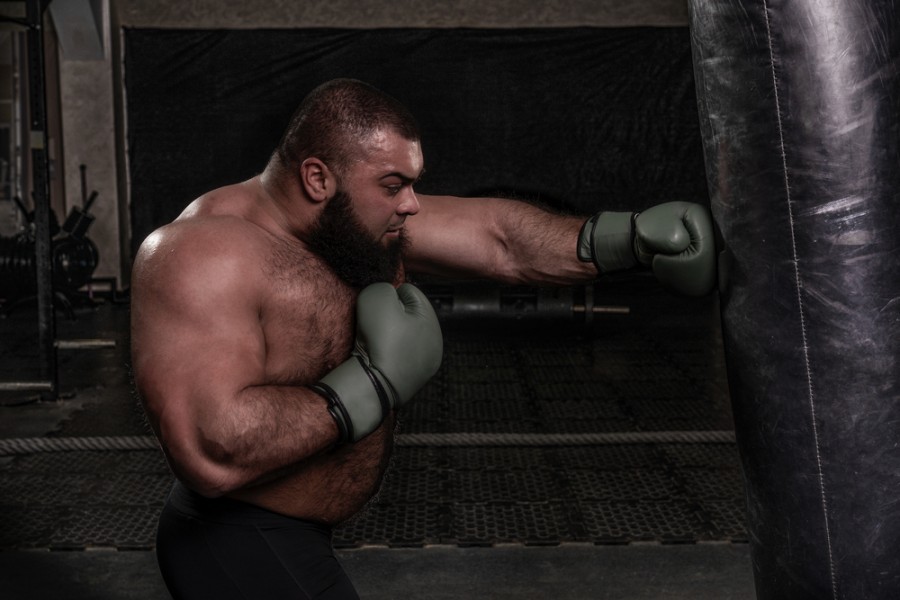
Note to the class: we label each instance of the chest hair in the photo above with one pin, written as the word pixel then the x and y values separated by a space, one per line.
pixel 307 316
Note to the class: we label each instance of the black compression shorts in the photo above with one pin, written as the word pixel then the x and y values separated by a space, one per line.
pixel 223 549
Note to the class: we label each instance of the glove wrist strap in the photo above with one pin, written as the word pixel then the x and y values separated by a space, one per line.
pixel 337 411
pixel 357 400
pixel 607 238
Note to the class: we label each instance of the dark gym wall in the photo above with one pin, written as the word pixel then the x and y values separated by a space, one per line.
pixel 579 118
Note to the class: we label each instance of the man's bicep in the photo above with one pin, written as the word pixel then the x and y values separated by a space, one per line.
pixel 202 354
pixel 196 338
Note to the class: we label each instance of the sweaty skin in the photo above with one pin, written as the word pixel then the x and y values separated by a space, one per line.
pixel 233 317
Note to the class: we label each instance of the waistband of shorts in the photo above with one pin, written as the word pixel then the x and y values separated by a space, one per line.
pixel 234 512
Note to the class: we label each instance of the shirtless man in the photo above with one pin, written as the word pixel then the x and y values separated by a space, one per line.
pixel 246 308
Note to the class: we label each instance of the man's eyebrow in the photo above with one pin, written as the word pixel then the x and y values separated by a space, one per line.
pixel 403 177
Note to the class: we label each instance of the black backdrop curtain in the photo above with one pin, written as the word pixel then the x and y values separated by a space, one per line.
pixel 579 118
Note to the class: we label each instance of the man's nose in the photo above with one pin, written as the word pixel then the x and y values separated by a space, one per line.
pixel 409 205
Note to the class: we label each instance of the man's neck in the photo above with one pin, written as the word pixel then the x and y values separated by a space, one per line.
pixel 285 202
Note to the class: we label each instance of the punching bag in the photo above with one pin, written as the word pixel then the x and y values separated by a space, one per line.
pixel 800 116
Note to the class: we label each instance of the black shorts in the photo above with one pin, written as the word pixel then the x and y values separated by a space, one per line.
pixel 223 549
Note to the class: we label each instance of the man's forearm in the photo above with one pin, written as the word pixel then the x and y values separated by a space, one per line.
pixel 541 246
pixel 260 435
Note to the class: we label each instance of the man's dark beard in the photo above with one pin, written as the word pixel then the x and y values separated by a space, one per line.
pixel 352 253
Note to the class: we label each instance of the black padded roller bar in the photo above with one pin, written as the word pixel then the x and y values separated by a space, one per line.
pixel 800 116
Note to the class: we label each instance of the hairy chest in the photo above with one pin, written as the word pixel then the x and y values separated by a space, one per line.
pixel 307 318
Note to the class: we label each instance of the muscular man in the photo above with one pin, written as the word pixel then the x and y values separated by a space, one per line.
pixel 270 352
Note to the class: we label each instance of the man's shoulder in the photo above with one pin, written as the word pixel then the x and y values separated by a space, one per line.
pixel 199 248
pixel 212 235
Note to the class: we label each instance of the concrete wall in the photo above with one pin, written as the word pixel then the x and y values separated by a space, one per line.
pixel 87 96
pixel 92 97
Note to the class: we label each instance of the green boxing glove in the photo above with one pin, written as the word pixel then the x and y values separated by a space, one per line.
pixel 674 239
pixel 398 348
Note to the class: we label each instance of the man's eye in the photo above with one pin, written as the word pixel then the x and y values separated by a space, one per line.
pixel 393 190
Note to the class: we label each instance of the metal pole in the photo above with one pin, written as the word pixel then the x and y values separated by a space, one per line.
pixel 41 179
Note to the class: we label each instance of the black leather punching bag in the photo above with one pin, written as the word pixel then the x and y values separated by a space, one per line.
pixel 800 116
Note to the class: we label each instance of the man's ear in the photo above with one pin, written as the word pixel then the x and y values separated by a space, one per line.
pixel 317 179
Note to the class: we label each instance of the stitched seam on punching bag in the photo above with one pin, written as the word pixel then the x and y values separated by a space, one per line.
pixel 809 384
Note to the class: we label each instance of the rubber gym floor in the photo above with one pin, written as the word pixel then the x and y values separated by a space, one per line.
pixel 549 458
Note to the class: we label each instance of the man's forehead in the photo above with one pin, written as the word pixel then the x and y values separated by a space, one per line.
pixel 388 151
pixel 387 140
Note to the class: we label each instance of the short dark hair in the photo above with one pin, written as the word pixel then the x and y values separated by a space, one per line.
pixel 335 119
